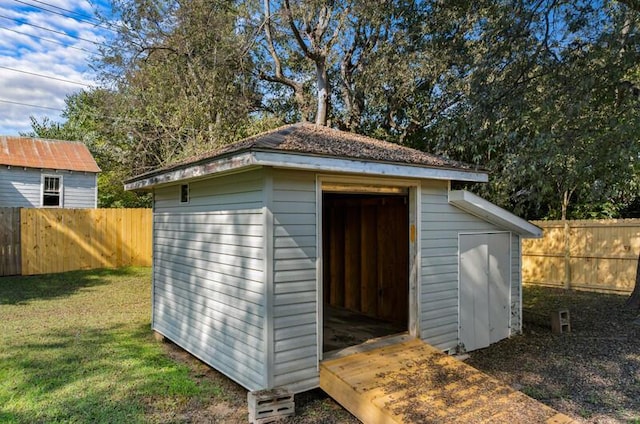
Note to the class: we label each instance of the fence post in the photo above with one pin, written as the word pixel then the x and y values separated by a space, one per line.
pixel 567 255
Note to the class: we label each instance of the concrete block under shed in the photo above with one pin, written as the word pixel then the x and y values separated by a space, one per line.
pixel 269 406
pixel 560 321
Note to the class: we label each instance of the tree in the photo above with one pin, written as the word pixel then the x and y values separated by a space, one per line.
pixel 87 122
pixel 182 80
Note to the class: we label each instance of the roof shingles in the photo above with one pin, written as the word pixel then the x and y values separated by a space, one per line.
pixel 46 154
pixel 312 139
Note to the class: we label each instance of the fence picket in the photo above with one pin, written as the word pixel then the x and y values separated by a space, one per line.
pixel 59 240
pixel 603 255
pixel 9 241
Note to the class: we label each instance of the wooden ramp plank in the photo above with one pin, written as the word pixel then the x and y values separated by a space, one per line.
pixel 412 382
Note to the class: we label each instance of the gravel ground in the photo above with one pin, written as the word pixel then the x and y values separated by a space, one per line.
pixel 591 374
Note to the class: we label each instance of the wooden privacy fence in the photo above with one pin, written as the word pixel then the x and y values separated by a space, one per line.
pixel 59 240
pixel 9 241
pixel 595 255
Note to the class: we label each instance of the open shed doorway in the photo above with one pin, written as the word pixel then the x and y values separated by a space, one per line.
pixel 365 267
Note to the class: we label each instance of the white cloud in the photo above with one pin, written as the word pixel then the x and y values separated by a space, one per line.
pixel 64 60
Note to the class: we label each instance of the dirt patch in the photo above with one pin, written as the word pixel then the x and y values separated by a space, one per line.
pixel 591 374
pixel 230 407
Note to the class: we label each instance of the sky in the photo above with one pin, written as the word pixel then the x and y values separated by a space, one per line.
pixel 46 48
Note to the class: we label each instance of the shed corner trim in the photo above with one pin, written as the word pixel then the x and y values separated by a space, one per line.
pixel 490 212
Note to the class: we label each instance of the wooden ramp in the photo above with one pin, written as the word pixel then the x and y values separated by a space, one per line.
pixel 412 382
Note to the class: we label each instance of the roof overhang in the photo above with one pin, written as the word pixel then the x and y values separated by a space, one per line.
pixel 299 161
pixel 486 210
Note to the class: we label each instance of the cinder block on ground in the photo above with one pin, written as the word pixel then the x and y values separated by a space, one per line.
pixel 269 406
pixel 560 321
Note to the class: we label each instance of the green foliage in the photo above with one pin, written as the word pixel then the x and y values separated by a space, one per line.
pixel 543 94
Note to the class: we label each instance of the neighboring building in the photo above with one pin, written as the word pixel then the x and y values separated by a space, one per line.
pixel 264 248
pixel 37 173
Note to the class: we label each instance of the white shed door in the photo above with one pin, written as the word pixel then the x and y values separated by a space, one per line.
pixel 485 307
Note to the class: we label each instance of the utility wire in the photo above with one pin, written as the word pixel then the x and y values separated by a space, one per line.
pixel 22 22
pixel 45 39
pixel 93 22
pixel 45 76
pixel 30 105
pixel 83 15
pixel 98 115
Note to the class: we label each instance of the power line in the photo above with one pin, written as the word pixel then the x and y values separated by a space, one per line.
pixel 22 22
pixel 45 76
pixel 30 105
pixel 89 17
pixel 90 21
pixel 99 115
pixel 45 39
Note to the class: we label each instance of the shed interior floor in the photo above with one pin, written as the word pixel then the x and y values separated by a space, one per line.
pixel 344 328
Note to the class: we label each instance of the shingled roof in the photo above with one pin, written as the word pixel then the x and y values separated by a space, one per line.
pixel 307 140
pixel 39 153
pixel 323 141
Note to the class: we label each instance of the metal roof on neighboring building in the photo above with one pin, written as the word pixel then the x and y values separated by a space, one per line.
pixel 39 153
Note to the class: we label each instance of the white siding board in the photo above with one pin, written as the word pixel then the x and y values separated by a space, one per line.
pixel 292 320
pixel 249 324
pixel 283 299
pixel 177 307
pixel 440 225
pixel 297 242
pixel 298 309
pixel 295 343
pixel 225 295
pixel 221 239
pixel 21 187
pixel 303 277
pixel 79 189
pixel 293 264
pixel 225 363
pixel 173 246
pixel 293 230
pixel 299 380
pixel 295 354
pixel 292 366
pixel 202 229
pixel 215 265
pixel 209 273
pixel 302 252
pixel 295 280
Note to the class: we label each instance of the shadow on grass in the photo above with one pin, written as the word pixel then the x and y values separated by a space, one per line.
pixel 111 375
pixel 19 290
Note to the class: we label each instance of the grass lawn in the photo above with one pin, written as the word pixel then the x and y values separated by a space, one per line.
pixel 77 348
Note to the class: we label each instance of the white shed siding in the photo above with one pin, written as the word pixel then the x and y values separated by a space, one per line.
pixel 208 294
pixel 295 280
pixel 441 224
pixel 22 188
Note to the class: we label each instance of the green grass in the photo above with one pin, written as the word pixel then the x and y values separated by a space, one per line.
pixel 77 348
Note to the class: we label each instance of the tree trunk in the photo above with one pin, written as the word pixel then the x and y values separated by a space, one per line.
pixel 634 299
pixel 323 92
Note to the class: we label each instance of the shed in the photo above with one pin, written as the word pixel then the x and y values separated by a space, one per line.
pixel 38 173
pixel 273 253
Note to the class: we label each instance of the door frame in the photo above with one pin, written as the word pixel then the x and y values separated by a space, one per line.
pixel 509 274
pixel 363 184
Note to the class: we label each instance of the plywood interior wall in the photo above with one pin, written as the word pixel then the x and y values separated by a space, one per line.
pixel 366 254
